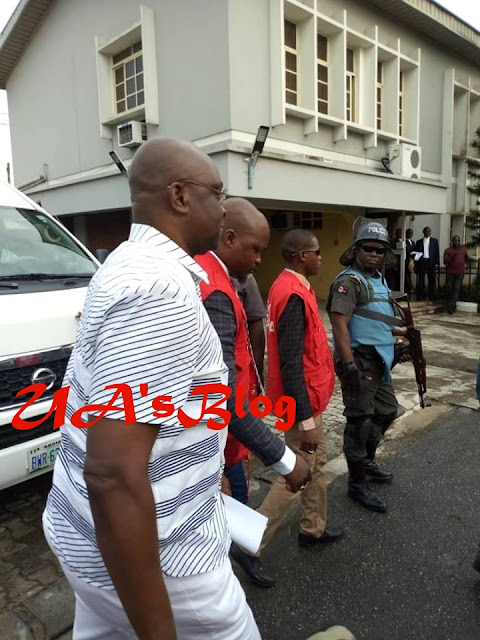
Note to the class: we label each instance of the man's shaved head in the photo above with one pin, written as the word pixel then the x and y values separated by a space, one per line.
pixel 175 188
pixel 244 236
pixel 161 161
pixel 295 241
pixel 243 217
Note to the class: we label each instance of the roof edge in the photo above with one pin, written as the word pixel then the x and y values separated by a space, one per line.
pixel 17 33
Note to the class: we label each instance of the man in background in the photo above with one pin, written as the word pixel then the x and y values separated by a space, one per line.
pixel 455 258
pixel 392 271
pixel 251 298
pixel 409 261
pixel 249 294
pixel 427 264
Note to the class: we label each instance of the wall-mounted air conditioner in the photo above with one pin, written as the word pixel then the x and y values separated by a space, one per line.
pixel 405 160
pixel 131 134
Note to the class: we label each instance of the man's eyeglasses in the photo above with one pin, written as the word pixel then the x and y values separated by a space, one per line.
pixel 315 251
pixel 380 251
pixel 221 193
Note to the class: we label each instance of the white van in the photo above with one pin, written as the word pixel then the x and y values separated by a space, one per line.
pixel 44 275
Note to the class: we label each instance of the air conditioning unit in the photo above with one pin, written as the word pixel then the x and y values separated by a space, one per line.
pixel 405 160
pixel 131 134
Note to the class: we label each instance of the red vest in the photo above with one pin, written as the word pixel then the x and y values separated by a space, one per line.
pixel 244 365
pixel 317 358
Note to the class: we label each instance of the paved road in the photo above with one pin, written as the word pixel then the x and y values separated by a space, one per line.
pixel 30 579
pixel 35 599
pixel 403 575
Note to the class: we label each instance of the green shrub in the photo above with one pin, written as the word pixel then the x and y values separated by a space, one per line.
pixel 471 294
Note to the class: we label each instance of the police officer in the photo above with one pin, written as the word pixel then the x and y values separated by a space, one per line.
pixel 363 323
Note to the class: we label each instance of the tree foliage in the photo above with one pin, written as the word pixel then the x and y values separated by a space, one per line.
pixel 472 221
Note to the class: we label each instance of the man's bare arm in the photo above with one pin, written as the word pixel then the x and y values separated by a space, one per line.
pixel 123 508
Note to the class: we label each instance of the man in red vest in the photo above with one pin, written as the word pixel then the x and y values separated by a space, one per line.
pixel 300 365
pixel 245 234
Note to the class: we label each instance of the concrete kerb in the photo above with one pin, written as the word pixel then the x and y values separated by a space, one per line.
pixel 337 466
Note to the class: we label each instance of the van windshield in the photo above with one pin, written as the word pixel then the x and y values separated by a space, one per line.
pixel 32 244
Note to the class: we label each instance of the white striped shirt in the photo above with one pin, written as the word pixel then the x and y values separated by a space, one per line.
pixel 144 322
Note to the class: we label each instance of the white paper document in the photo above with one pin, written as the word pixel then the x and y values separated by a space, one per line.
pixel 246 525
pixel 416 255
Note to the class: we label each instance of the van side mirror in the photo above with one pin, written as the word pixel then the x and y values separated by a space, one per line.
pixel 101 255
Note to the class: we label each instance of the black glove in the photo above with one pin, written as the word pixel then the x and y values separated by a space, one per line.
pixel 350 377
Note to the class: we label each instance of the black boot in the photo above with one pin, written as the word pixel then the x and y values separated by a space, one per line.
pixel 359 490
pixel 374 472
pixel 371 467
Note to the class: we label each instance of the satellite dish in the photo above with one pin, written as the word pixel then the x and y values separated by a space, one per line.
pixel 358 223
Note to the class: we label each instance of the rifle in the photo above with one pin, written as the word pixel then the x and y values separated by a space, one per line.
pixel 414 339
pixel 415 351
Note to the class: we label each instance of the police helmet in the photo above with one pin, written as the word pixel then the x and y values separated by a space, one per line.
pixel 372 231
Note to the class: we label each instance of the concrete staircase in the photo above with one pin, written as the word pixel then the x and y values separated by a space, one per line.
pixel 425 308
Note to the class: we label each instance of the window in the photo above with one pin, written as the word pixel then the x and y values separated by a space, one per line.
pixel 291 63
pixel 400 105
pixel 33 243
pixel 285 220
pixel 128 78
pixel 379 94
pixel 308 220
pixel 322 73
pixel 350 88
pixel 279 220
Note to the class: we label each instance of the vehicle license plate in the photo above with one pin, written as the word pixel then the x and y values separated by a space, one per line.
pixel 43 457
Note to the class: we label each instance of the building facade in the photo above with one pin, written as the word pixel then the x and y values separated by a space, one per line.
pixel 371 107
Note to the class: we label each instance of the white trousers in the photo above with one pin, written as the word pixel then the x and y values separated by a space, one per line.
pixel 207 606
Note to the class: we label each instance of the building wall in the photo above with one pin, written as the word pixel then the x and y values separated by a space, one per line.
pixel 317 183
pixel 214 71
pixel 252 64
pixel 249 57
pixel 217 64
pixel 52 92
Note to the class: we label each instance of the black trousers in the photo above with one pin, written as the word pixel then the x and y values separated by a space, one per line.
pixel 408 278
pixel 454 286
pixel 369 415
pixel 426 267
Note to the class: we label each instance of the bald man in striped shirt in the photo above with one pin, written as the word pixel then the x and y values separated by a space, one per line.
pixel 135 514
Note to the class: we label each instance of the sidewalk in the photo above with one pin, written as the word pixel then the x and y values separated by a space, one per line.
pixel 35 600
